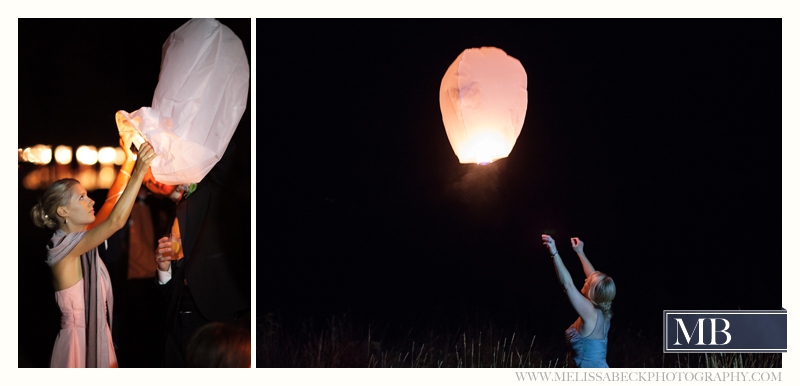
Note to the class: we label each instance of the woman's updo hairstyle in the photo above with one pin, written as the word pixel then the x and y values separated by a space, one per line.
pixel 44 213
pixel 601 292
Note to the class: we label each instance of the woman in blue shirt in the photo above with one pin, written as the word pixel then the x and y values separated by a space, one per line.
pixel 588 336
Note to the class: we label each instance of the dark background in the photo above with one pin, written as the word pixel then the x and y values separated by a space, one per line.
pixel 74 75
pixel 656 141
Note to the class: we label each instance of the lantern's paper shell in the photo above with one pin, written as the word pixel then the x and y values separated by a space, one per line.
pixel 198 102
pixel 483 98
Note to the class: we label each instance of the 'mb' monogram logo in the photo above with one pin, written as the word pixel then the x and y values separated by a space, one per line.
pixel 736 331
pixel 699 328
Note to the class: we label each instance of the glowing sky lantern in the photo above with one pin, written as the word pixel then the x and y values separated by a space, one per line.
pixel 483 98
pixel 199 100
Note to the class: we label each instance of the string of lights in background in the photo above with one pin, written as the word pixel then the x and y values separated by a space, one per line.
pixel 95 169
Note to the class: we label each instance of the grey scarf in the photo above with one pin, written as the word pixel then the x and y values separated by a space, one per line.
pixel 96 334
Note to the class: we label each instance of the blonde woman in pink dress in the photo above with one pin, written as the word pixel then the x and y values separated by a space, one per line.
pixel 81 280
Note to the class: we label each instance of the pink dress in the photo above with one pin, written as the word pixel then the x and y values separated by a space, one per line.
pixel 86 308
pixel 70 347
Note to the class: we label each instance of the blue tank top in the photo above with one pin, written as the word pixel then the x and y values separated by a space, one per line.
pixel 588 352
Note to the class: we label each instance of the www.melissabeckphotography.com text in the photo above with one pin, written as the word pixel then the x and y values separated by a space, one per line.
pixel 639 376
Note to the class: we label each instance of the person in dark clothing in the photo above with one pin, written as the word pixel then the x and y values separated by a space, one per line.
pixel 199 282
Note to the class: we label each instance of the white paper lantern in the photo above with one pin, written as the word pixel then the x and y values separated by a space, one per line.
pixel 198 102
pixel 483 98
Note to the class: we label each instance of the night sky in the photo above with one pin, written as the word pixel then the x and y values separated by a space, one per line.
pixel 74 75
pixel 656 141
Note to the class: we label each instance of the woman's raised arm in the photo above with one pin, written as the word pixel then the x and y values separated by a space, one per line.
pixel 577 246
pixel 121 211
pixel 581 304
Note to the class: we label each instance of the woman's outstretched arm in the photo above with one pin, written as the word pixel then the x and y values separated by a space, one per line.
pixel 577 246
pixel 561 271
pixel 122 210
pixel 581 304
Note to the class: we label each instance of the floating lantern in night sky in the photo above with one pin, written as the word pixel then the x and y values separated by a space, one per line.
pixel 483 98
pixel 198 102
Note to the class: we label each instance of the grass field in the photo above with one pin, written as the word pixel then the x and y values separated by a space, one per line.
pixel 340 342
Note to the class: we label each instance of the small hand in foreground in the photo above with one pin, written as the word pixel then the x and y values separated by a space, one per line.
pixel 164 245
pixel 548 242
pixel 144 158
pixel 577 245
